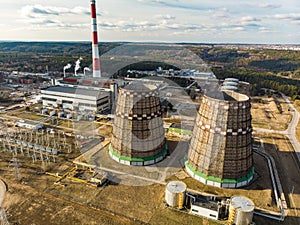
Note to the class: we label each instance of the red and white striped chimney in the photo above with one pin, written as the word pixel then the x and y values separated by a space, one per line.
pixel 95 50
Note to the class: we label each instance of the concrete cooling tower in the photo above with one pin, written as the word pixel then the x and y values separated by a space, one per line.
pixel 138 136
pixel 220 152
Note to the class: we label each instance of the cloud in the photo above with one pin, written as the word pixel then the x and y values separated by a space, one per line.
pixel 40 16
pixel 269 6
pixel 290 16
pixel 221 13
pixel 177 4
pixel 34 11
pixel 249 19
pixel 165 17
pixel 266 30
pixel 294 18
pixel 133 26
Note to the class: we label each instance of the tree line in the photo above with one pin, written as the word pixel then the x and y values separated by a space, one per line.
pixel 258 79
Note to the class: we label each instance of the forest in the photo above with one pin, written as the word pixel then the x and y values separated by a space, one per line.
pixel 264 68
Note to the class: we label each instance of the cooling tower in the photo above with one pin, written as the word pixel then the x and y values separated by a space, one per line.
pixel 220 152
pixel 138 136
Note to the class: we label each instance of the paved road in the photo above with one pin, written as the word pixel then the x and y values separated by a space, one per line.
pixel 290 132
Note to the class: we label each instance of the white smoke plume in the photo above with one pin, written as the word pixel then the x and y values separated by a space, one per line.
pixel 86 69
pixel 77 65
pixel 68 66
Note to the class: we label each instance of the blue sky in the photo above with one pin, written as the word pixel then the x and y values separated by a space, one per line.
pixel 226 21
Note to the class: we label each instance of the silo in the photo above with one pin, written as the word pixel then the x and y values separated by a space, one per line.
pixel 138 136
pixel 232 80
pixel 220 152
pixel 229 88
pixel 230 83
pixel 240 211
pixel 175 194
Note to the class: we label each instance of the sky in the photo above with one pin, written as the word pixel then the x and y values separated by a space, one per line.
pixel 204 21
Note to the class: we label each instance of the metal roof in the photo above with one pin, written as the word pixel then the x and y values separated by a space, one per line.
pixel 242 203
pixel 139 86
pixel 176 187
pixel 75 91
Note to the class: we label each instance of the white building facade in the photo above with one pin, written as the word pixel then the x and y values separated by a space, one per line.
pixel 72 98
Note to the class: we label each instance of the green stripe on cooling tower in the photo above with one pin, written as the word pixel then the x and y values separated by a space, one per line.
pixel 219 180
pixel 145 159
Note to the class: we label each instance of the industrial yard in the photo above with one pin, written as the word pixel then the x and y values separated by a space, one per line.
pixel 170 145
pixel 67 162
pixel 64 198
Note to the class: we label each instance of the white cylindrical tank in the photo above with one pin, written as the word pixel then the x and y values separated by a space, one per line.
pixel 232 80
pixel 175 194
pixel 241 209
pixel 229 88
pixel 230 83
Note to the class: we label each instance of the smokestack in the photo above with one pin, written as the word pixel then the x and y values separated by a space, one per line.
pixel 95 50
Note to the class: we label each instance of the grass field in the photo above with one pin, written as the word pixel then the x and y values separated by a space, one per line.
pixel 281 150
pixel 297 106
pixel 266 114
pixel 22 114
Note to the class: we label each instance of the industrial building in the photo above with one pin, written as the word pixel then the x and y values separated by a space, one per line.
pixel 220 152
pixel 91 83
pixel 29 124
pixel 72 98
pixel 237 210
pixel 212 207
pixel 138 136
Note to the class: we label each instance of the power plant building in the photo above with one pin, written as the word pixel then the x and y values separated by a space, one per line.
pixel 138 136
pixel 71 98
pixel 220 152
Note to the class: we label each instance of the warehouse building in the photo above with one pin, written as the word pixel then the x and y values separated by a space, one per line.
pixel 29 124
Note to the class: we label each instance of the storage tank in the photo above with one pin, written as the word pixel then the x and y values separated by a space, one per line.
pixel 230 83
pixel 175 194
pixel 240 211
pixel 138 136
pixel 232 80
pixel 229 88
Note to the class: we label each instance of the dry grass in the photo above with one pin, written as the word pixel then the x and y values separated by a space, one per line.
pixel 22 114
pixel 105 130
pixel 297 106
pixel 298 131
pixel 266 114
pixel 286 163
